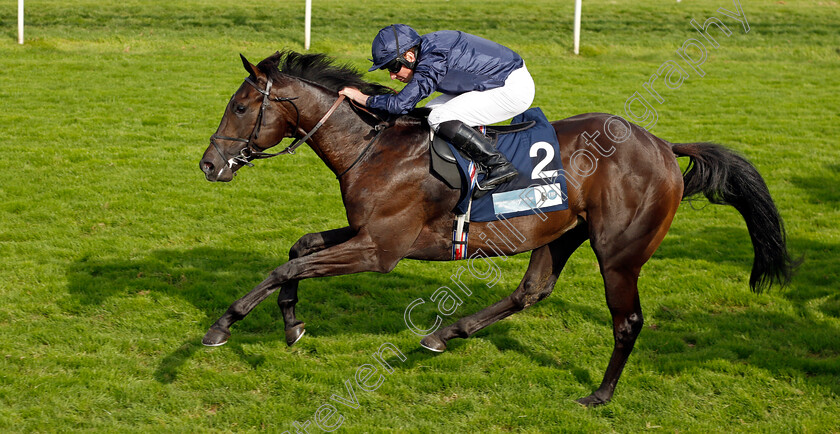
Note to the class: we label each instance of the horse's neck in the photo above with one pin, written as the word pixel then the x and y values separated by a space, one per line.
pixel 342 136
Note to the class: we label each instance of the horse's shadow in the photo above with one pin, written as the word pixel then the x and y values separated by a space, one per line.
pixel 817 277
pixel 784 345
pixel 803 343
pixel 820 187
pixel 211 279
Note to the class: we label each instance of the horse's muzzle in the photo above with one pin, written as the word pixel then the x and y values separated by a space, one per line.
pixel 214 172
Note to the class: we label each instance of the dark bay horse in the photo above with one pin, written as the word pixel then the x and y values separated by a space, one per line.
pixel 624 188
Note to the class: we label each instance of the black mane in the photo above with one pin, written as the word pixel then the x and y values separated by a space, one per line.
pixel 320 69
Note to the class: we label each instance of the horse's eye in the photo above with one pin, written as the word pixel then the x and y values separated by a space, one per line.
pixel 239 109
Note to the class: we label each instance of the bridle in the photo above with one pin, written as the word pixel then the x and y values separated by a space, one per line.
pixel 250 151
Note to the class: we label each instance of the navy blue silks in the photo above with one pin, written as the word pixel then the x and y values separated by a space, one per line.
pixel 449 62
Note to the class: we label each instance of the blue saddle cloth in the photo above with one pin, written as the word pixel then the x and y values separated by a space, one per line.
pixel 541 185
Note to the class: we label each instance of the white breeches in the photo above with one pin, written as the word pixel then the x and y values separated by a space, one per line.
pixel 485 107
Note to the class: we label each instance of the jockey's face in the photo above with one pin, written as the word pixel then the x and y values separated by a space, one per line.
pixel 404 74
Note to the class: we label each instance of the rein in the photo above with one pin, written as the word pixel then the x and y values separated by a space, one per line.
pixel 379 129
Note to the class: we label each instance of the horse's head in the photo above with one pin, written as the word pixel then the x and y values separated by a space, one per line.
pixel 265 109
pixel 255 119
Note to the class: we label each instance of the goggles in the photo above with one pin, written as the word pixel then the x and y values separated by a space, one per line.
pixel 396 65
pixel 393 66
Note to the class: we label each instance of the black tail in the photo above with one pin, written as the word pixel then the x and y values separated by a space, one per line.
pixel 726 178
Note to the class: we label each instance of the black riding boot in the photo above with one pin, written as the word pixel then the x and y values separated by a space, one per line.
pixel 497 169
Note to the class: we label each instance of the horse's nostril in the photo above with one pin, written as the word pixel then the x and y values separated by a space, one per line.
pixel 206 166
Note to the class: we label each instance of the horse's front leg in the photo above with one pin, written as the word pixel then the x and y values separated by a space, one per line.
pixel 359 253
pixel 287 298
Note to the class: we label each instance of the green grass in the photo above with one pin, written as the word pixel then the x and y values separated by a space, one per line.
pixel 117 255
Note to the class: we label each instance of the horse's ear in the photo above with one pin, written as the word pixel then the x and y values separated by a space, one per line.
pixel 253 70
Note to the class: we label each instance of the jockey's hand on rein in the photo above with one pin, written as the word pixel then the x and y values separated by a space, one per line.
pixel 354 94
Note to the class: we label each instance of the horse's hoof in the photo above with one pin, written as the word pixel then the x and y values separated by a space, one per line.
pixel 592 401
pixel 215 337
pixel 294 334
pixel 433 343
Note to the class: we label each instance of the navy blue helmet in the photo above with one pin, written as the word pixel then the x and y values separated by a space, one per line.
pixel 390 43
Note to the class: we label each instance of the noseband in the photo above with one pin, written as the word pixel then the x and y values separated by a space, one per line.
pixel 250 151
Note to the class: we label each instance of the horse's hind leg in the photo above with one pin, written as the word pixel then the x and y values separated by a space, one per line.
pixel 287 298
pixel 538 282
pixel 623 302
pixel 621 251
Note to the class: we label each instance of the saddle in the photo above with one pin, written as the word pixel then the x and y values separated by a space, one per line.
pixel 530 143
pixel 444 164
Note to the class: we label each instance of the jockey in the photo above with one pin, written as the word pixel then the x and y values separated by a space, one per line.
pixel 482 83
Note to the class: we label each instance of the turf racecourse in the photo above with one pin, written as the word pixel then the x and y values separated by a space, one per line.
pixel 117 255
